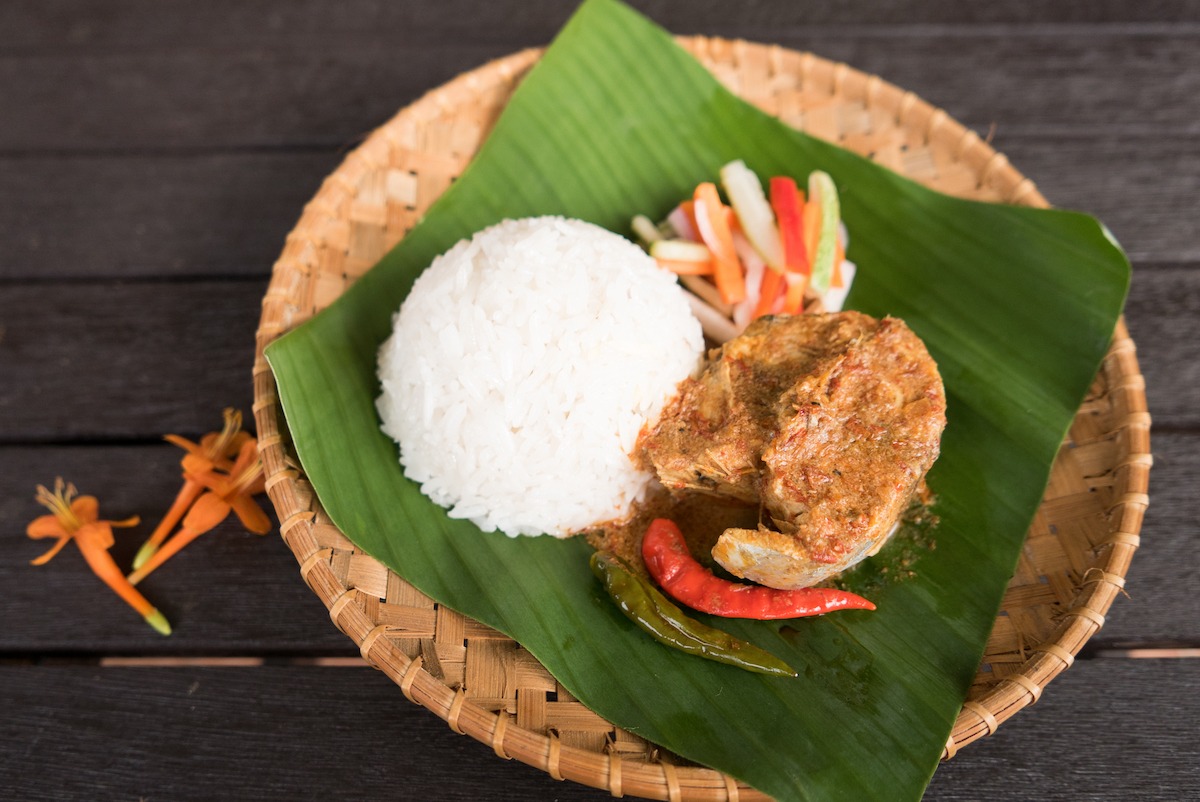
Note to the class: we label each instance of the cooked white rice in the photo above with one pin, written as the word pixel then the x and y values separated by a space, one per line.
pixel 522 367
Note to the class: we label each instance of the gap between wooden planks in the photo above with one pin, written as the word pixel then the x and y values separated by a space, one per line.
pixel 1137 653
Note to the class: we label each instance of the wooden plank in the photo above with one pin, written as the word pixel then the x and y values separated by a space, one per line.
pixel 165 357
pixel 215 99
pixel 1139 187
pixel 214 214
pixel 228 593
pixel 289 732
pixel 1163 583
pixel 1100 732
pixel 231 593
pixel 124 361
pixel 1162 310
pixel 226 214
pixel 264 733
pixel 144 364
pixel 55 25
pixel 330 92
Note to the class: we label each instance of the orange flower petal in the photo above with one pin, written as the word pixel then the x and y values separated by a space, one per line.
pixel 239 440
pixel 55 549
pixel 208 511
pixel 196 463
pixel 96 534
pixel 247 456
pixel 183 442
pixel 46 526
pixel 257 487
pixel 85 508
pixel 212 481
pixel 251 515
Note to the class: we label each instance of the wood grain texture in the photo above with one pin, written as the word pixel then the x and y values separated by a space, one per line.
pixel 107 360
pixel 212 591
pixel 216 215
pixel 1162 310
pixel 331 92
pixel 136 344
pixel 57 25
pixel 288 733
pixel 1164 581
pixel 192 215
pixel 1140 187
pixel 1067 746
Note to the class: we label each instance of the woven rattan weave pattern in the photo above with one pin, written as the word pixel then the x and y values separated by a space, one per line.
pixel 483 684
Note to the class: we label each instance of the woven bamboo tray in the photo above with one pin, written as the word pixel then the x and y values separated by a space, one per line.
pixel 1073 563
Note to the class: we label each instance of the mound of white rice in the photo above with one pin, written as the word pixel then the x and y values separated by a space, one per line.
pixel 522 367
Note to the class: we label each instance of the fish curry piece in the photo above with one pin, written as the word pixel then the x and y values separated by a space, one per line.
pixel 828 422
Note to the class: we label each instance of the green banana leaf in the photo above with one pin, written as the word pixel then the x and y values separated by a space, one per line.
pixel 1017 306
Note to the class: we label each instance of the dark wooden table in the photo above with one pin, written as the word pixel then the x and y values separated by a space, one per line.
pixel 153 155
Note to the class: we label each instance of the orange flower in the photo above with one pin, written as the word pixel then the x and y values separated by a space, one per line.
pixel 212 452
pixel 233 493
pixel 77 519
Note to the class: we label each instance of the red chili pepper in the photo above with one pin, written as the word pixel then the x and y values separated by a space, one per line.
pixel 791 210
pixel 688 582
pixel 788 203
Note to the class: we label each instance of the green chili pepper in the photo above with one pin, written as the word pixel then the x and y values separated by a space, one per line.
pixel 654 613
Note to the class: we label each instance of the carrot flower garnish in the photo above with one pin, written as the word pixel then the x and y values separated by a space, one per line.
pixel 77 518
pixel 224 494
pixel 215 450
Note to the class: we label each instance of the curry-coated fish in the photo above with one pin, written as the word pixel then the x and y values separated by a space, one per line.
pixel 829 421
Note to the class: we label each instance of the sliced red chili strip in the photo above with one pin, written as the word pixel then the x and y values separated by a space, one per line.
pixel 690 583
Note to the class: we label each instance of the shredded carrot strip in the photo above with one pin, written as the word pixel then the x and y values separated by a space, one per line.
pixel 812 226
pixel 681 267
pixel 839 256
pixel 793 303
pixel 689 210
pixel 772 286
pixel 712 217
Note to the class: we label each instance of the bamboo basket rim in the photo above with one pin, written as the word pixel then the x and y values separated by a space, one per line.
pixel 1117 398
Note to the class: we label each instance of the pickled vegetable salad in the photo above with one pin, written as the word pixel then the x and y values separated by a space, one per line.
pixel 757 255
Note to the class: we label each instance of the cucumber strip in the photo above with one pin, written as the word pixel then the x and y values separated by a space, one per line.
pixel 680 250
pixel 753 211
pixel 822 189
